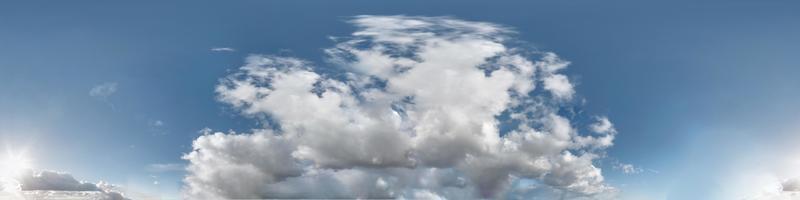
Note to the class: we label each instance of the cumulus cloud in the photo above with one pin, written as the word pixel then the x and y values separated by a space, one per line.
pixel 763 186
pixel 223 49
pixel 791 185
pixel 604 134
pixel 603 125
pixel 412 112
pixel 559 86
pixel 55 185
pixel 104 90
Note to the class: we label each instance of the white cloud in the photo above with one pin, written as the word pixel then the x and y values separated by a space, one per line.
pixel 157 123
pixel 425 194
pixel 413 115
pixel 55 185
pixel 791 185
pixel 603 125
pixel 603 137
pixel 223 49
pixel 628 168
pixel 761 186
pixel 762 168
pixel 559 86
pixel 158 127
pixel 104 90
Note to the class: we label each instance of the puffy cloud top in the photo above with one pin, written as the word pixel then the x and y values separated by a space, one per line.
pixel 791 185
pixel 55 185
pixel 48 180
pixel 415 112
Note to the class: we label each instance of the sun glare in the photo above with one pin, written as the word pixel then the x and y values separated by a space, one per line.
pixel 13 165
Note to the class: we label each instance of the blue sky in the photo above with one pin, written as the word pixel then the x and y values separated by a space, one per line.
pixel 698 91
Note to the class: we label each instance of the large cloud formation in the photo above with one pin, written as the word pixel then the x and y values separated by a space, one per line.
pixel 412 108
pixel 43 184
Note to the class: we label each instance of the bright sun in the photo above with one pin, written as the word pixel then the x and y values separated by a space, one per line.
pixel 13 165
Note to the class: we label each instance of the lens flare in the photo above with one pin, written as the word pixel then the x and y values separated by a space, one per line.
pixel 13 165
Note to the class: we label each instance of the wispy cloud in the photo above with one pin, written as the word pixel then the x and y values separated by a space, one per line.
pixel 628 168
pixel 103 90
pixel 223 49
pixel 158 127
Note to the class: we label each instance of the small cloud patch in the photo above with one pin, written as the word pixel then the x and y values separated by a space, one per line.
pixel 104 90
pixel 223 49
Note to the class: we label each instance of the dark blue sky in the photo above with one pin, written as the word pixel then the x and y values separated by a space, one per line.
pixel 689 85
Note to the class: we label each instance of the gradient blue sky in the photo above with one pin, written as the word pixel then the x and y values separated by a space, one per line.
pixel 694 88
